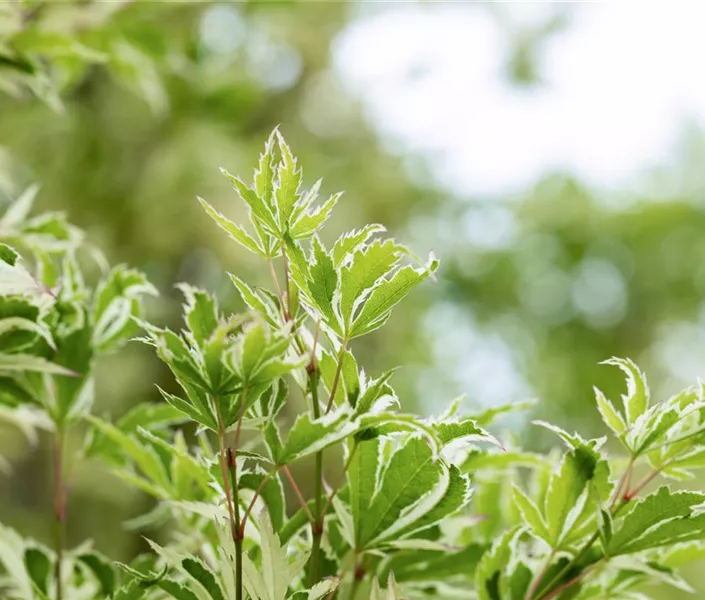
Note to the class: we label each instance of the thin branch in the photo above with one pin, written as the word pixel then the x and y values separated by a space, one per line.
pixel 287 283
pixel 260 487
pixel 59 508
pixel 336 490
pixel 644 482
pixel 278 288
pixel 336 379
pixel 622 481
pixel 571 582
pixel 224 466
pixel 297 492
pixel 539 578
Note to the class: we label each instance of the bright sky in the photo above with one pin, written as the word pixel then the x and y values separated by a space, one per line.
pixel 620 83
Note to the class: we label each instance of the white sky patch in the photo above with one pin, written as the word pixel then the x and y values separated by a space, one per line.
pixel 619 83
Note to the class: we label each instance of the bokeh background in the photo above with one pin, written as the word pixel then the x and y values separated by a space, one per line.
pixel 550 153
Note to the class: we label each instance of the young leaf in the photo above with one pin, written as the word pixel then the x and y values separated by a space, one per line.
pixel 236 232
pixel 662 518
pixel 636 400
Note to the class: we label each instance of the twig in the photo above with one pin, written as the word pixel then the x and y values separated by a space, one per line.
pixel 346 466
pixel 59 507
pixel 336 379
pixel 260 487
pixel 299 497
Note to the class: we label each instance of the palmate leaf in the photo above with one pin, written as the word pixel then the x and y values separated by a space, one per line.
pixel 236 232
pixel 286 187
pixel 392 591
pixel 308 435
pixel 492 572
pixel 15 280
pixel 358 296
pixel 14 363
pixel 364 269
pixel 144 456
pixel 660 519
pixel 431 566
pixel 636 400
pixel 414 491
pixel 386 295
pixel 581 482
pixel 118 299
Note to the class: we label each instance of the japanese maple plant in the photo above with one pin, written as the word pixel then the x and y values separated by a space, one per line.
pixel 418 507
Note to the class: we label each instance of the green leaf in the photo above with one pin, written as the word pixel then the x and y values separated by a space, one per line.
pixel 530 513
pixel 204 576
pixel 569 491
pixel 463 430
pixel 323 284
pixel 433 566
pixel 39 566
pixel 609 414
pixel 15 280
pixel 411 476
pixel 352 241
pixel 176 590
pixel 660 519
pixel 286 192
pixel 102 569
pixel 264 175
pixel 366 267
pixel 386 295
pixel 144 456
pixel 236 232
pixel 10 363
pixel 636 400
pixel 492 567
pixel 12 328
pixel 457 495
pixel 310 222
pixel 259 210
pixel 118 300
pixel 257 301
pixel 200 313
pixel 308 436
pixel 274 575
pixel 8 255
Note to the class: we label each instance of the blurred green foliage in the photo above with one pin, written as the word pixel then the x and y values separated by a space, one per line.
pixel 123 112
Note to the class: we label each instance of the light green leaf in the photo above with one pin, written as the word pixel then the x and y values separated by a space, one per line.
pixel 144 456
pixel 310 222
pixel 19 210
pixel 257 301
pixel 412 484
pixel 323 284
pixel 286 192
pixel 352 241
pixel 200 312
pixel 15 280
pixel 10 363
pixel 103 571
pixel 308 436
pixel 530 513
pixel 662 518
pixel 264 174
pixel 386 295
pixel 259 210
pixel 236 232
pixel 609 414
pixel 366 267
pixel 636 400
